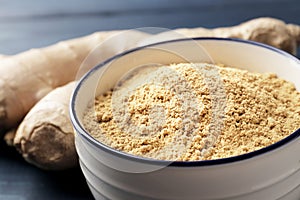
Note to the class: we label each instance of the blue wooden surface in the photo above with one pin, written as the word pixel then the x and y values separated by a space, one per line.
pixel 34 23
pixel 26 24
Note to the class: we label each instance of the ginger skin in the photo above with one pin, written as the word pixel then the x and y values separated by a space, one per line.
pixel 36 72
pixel 266 30
pixel 9 137
pixel 45 137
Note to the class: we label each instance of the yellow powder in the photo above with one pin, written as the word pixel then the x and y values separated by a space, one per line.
pixel 194 112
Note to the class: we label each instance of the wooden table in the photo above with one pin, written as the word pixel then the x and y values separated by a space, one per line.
pixel 33 23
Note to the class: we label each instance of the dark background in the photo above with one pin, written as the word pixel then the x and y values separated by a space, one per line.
pixel 26 24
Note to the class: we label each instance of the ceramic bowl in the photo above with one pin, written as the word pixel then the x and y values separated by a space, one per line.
pixel 269 173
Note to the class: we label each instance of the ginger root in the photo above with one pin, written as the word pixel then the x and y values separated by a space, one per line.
pixel 9 137
pixel 266 30
pixel 34 73
pixel 45 137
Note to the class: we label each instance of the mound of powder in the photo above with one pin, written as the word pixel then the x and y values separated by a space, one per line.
pixel 194 112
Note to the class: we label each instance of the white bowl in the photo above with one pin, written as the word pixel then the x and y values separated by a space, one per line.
pixel 270 173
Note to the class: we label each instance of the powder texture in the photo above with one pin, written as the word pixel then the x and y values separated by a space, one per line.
pixel 194 112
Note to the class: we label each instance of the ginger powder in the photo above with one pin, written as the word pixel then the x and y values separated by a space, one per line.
pixel 190 112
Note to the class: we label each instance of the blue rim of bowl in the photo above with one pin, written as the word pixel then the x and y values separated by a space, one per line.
pixel 80 130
